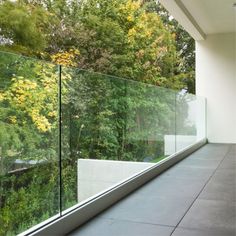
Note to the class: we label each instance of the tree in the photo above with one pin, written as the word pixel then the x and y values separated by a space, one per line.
pixel 105 35
pixel 23 27
pixel 185 46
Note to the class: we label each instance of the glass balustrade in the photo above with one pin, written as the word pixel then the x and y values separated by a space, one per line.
pixel 67 135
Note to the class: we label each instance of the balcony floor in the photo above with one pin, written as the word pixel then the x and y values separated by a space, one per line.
pixel 196 197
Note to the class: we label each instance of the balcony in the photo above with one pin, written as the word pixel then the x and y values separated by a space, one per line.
pixel 194 198
pixel 74 142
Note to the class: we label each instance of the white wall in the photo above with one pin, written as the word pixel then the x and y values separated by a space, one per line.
pixel 176 143
pixel 216 80
pixel 95 176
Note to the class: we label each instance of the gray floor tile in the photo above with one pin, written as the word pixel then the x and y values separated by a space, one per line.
pixel 172 187
pixel 202 163
pixel 222 186
pixel 211 215
pixel 188 172
pixel 154 210
pixel 108 227
pixel 219 191
pixel 232 150
pixel 209 154
pixel 199 156
pixel 199 232
pixel 228 163
pixel 224 175
pixel 231 156
pixel 214 150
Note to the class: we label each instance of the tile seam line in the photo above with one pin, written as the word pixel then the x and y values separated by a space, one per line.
pixel 138 222
pixel 224 157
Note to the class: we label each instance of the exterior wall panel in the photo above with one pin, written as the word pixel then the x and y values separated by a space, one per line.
pixel 216 80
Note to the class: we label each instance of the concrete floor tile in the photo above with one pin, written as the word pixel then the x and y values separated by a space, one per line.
pixel 228 163
pixel 107 227
pixel 188 172
pixel 211 215
pixel 202 163
pixel 153 210
pixel 219 191
pixel 172 187
pixel 222 186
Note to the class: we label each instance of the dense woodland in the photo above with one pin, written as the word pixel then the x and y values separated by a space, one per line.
pixel 101 116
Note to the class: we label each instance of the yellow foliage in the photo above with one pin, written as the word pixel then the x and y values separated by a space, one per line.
pixel 40 121
pixel 12 119
pixel 131 34
pixel 52 114
pixel 130 18
pixel 66 58
pixel 37 97
pixel 128 10
pixel 131 6
pixel 148 33
pixel 2 97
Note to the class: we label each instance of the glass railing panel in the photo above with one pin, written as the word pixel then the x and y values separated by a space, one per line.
pixel 112 128
pixel 93 123
pixel 29 173
pixel 150 122
pixel 190 119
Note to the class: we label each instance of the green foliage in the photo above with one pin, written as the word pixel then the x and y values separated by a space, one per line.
pixel 23 25
pixel 29 198
pixel 185 46
pixel 124 38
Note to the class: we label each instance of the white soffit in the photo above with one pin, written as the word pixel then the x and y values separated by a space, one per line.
pixel 203 17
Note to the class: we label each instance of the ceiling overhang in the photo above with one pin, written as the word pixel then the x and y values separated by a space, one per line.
pixel 203 17
pixel 184 17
